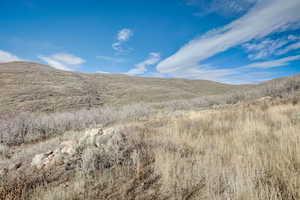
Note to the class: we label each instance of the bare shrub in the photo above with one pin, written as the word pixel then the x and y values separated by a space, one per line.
pixel 29 127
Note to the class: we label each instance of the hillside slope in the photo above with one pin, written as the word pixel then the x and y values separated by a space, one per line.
pixel 35 87
pixel 247 151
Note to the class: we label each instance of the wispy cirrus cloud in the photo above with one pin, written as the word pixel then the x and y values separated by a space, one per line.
pixel 221 7
pixel 8 57
pixel 251 73
pixel 141 67
pixel 268 47
pixel 63 61
pixel 265 48
pixel 123 36
pixel 265 18
pixel 289 48
pixel 271 64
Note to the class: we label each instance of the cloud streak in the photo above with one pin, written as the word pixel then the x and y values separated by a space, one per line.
pixel 265 18
pixel 8 57
pixel 68 59
pixel 289 48
pixel 221 7
pixel 269 47
pixel 141 67
pixel 271 64
pixel 63 61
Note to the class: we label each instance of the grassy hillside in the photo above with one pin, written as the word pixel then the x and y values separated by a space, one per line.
pixel 246 151
pixel 234 144
pixel 35 87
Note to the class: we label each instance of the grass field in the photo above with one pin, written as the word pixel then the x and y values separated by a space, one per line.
pixel 245 151
pixel 242 145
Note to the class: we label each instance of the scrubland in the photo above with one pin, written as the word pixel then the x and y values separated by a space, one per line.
pixel 31 127
pixel 244 151
pixel 239 146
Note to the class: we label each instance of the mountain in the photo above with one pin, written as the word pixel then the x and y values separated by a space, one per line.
pixel 34 87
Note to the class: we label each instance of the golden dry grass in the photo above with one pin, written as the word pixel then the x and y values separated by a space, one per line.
pixel 244 152
pixel 240 152
pixel 35 87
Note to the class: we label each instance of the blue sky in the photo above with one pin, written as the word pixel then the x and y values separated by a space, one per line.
pixel 230 41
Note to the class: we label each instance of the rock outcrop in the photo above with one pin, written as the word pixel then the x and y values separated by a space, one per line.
pixel 101 147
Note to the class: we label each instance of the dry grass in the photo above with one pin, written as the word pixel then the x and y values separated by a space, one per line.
pixel 245 150
pixel 47 88
pixel 33 87
pixel 240 152
pixel 237 153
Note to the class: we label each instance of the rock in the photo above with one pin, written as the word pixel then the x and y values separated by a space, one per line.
pixel 69 147
pixel 38 160
pixel 47 160
pixel 90 136
pixel 100 137
pixel 109 147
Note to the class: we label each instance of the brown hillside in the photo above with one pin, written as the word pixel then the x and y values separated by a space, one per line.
pixel 35 87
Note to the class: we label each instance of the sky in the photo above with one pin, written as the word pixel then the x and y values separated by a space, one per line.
pixel 229 41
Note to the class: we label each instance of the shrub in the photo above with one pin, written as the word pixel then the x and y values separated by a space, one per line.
pixel 28 127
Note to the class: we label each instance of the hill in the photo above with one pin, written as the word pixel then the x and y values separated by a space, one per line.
pixel 224 146
pixel 33 87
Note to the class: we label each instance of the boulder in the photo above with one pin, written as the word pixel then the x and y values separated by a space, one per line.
pixel 69 147
pixel 38 160
pixel 105 148
pixel 109 146
pixel 48 160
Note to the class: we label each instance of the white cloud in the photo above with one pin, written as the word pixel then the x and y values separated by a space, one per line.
pixel 54 63
pixel 238 75
pixel 112 59
pixel 222 7
pixel 8 57
pixel 289 48
pixel 265 18
pixel 141 67
pixel 68 59
pixel 102 72
pixel 270 64
pixel 62 61
pixel 123 36
pixel 117 46
pixel 293 37
pixel 265 48
pixel 269 47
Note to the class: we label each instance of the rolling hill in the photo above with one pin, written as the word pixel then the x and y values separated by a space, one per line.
pixel 33 87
